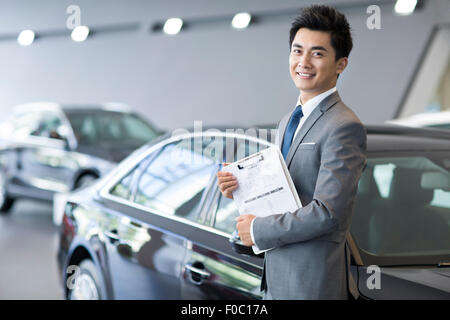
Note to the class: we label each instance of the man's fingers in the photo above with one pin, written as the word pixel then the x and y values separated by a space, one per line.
pixel 226 179
pixel 224 174
pixel 242 217
pixel 225 185
pixel 227 182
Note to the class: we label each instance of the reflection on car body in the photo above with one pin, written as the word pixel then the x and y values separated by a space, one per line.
pixel 157 226
pixel 438 120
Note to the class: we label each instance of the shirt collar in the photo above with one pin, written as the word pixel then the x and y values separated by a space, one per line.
pixel 309 106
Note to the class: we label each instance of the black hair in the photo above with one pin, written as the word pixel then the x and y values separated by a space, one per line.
pixel 328 19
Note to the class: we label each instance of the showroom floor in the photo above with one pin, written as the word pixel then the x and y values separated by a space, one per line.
pixel 28 244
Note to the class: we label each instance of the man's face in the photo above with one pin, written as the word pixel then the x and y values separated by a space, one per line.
pixel 312 63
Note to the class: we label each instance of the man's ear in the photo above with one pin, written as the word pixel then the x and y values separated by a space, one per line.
pixel 341 65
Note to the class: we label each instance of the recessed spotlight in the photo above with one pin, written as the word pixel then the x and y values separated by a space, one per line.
pixel 26 37
pixel 241 20
pixel 405 7
pixel 80 33
pixel 173 26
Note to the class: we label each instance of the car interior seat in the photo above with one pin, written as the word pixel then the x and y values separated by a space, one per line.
pixel 367 195
pixel 404 222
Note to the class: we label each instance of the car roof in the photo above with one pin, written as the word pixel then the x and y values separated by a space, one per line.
pixel 384 137
pixel 72 108
pixel 104 107
pixel 402 138
pixel 423 119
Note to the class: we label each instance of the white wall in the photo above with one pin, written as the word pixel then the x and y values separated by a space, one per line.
pixel 215 74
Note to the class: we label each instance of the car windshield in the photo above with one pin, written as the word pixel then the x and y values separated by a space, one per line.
pixel 402 208
pixel 109 127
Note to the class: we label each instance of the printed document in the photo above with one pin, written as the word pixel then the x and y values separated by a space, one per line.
pixel 265 186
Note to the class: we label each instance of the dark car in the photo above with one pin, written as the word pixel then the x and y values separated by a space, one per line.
pixel 157 226
pixel 46 148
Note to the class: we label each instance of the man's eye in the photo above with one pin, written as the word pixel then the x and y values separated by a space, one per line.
pixel 317 54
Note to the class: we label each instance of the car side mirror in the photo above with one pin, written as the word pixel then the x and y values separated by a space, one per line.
pixel 66 143
pixel 239 247
pixel 54 134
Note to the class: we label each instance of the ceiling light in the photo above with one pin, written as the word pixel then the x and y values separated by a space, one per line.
pixel 241 20
pixel 26 37
pixel 405 7
pixel 173 26
pixel 80 33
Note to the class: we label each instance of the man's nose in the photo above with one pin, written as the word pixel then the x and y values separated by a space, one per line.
pixel 304 61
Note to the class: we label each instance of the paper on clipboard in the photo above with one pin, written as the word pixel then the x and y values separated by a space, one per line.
pixel 265 185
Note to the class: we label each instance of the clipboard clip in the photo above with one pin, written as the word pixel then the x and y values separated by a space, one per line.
pixel 261 158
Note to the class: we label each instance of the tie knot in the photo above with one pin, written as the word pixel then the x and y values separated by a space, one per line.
pixel 298 113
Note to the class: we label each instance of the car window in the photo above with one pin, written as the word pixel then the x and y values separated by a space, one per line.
pixel 48 126
pixel 174 181
pixel 92 128
pixel 383 174
pixel 440 126
pixel 403 206
pixel 123 188
pixel 226 214
pixel 137 129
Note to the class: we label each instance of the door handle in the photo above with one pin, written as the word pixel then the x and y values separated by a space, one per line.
pixel 198 271
pixel 112 235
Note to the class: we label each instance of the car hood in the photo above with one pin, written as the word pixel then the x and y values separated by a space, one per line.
pixel 437 278
pixel 110 153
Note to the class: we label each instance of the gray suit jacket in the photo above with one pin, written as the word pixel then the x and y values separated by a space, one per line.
pixel 325 161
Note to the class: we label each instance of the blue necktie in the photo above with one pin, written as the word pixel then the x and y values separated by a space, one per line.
pixel 290 130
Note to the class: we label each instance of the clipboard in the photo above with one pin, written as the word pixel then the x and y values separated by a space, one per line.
pixel 265 185
pixel 242 169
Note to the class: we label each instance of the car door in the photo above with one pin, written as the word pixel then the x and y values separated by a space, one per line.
pixel 212 270
pixel 157 208
pixel 46 163
pixel 15 135
pixel 34 150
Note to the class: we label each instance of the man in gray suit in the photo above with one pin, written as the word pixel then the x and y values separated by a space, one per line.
pixel 324 145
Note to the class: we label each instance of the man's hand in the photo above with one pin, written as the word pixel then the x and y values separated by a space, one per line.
pixel 227 183
pixel 243 226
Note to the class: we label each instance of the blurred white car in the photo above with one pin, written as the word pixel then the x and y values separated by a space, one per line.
pixel 440 120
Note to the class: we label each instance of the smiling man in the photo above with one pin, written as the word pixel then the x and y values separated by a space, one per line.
pixel 313 63
pixel 324 145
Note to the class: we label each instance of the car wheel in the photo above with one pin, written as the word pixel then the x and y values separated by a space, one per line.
pixel 85 180
pixel 87 284
pixel 5 202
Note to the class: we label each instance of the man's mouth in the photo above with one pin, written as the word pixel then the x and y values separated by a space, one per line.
pixel 306 75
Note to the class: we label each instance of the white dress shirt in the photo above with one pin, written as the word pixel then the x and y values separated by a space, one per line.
pixel 307 109
pixel 309 106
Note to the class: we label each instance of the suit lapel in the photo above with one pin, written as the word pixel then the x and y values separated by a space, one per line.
pixel 323 106
pixel 282 129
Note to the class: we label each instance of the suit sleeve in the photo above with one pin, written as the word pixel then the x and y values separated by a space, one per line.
pixel 342 161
